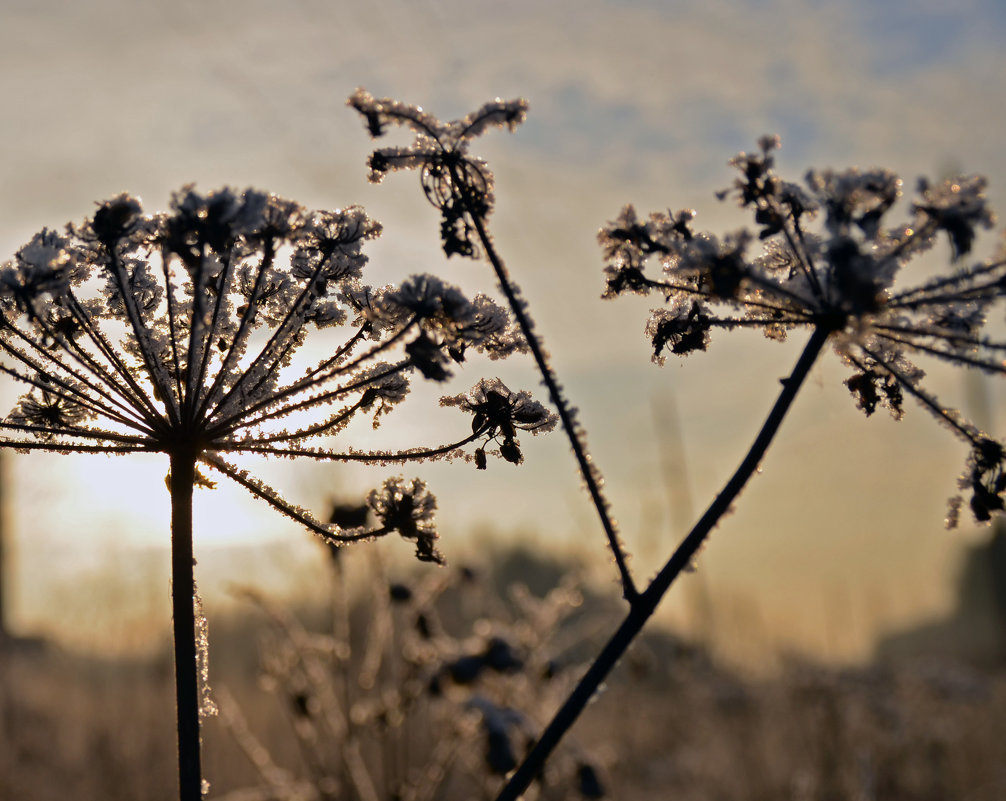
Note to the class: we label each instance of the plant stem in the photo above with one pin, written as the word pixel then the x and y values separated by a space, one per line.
pixel 646 604
pixel 590 473
pixel 183 589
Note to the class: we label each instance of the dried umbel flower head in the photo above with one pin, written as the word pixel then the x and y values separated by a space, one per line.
pixel 829 261
pixel 178 332
pixel 454 181
pixel 461 188
pixel 407 507
pixel 498 413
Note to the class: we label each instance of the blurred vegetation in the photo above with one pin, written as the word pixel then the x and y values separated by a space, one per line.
pixel 428 684
pixel 975 630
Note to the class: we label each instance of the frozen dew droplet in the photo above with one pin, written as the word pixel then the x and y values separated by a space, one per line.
pixel 207 706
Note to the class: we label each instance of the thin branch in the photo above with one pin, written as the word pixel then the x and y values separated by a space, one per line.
pixel 137 398
pixel 647 602
pixel 241 416
pixel 451 450
pixel 948 336
pixel 928 401
pixel 591 475
pixel 58 381
pixel 950 356
pixel 310 381
pixel 141 332
pixel 806 264
pixel 197 342
pixel 900 298
pixel 343 350
pixel 73 395
pixel 975 292
pixel 294 318
pixel 329 532
pixel 767 287
pixel 84 433
pixel 335 421
pixel 41 354
pixel 172 319
pixel 240 338
pixel 66 447
pixel 207 347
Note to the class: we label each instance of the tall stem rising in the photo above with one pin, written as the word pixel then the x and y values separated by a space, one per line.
pixel 591 476
pixel 646 604
pixel 183 588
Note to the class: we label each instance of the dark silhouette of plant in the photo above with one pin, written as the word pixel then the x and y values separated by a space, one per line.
pixel 176 333
pixel 836 279
pixel 460 186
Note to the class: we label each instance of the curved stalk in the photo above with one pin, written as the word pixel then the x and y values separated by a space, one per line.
pixel 183 461
pixel 589 472
pixel 644 606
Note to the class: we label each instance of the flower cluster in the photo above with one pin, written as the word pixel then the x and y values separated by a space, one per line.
pixel 451 324
pixel 178 331
pixel 407 507
pixel 461 187
pixel 457 184
pixel 829 261
pixel 497 414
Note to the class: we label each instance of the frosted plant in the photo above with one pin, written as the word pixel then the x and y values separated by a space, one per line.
pixel 836 277
pixel 424 688
pixel 177 333
pixel 461 187
pixel 837 280
pixel 498 412
pixel 456 183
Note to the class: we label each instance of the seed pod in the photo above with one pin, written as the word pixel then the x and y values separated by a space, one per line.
pixel 510 452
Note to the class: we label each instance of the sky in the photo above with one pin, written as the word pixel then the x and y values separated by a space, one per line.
pixel 640 102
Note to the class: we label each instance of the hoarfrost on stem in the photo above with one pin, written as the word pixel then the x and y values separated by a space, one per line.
pixel 181 331
pixel 830 261
pixel 207 706
pixel 460 186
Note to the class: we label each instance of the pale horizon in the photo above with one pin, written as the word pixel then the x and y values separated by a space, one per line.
pixel 637 102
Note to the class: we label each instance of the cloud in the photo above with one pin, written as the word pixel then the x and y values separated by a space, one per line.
pixel 630 101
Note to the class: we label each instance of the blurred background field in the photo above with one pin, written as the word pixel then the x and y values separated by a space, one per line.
pixel 387 681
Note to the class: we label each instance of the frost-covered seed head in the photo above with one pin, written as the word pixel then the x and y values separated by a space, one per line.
pixel 839 276
pixel 497 415
pixel 408 508
pixel 188 329
pixel 458 185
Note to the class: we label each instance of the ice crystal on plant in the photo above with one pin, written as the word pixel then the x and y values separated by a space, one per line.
pixel 830 260
pixel 455 182
pixel 497 414
pixel 207 706
pixel 135 332
pixel 407 507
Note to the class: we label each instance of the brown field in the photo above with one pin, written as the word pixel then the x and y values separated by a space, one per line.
pixel 430 690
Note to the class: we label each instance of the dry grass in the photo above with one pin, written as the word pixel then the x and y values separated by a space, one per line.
pixel 326 721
